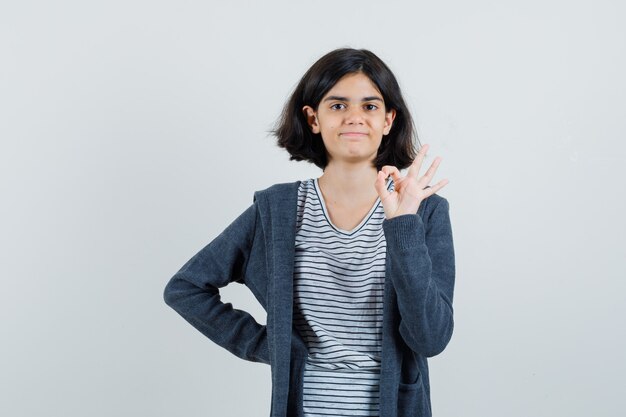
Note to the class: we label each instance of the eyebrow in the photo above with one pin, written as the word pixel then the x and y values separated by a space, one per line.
pixel 340 98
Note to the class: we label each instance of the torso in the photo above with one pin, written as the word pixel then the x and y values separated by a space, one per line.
pixel 338 287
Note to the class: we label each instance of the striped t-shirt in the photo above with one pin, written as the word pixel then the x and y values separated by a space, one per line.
pixel 338 306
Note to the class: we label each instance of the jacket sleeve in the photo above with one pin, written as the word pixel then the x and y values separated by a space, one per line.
pixel 420 263
pixel 193 291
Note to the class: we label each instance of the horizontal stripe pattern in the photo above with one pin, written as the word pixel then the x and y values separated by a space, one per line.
pixel 338 305
pixel 340 392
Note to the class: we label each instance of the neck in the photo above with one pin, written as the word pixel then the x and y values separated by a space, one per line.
pixel 348 184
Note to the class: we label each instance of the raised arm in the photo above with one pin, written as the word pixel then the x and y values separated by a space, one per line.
pixel 420 254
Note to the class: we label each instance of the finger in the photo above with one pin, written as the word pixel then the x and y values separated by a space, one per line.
pixel 393 171
pixel 435 188
pixel 428 176
pixel 381 187
pixel 414 169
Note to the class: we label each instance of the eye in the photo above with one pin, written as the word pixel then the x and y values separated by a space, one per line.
pixel 338 106
pixel 371 107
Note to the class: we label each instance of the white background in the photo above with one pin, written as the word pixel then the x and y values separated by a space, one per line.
pixel 133 132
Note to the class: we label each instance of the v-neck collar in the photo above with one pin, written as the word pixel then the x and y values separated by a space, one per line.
pixel 363 221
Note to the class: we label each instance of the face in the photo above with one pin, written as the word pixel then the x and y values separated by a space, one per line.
pixel 351 119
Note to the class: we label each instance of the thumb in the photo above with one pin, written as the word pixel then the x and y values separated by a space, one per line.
pixel 381 187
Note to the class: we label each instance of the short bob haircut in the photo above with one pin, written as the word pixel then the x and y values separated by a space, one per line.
pixel 294 134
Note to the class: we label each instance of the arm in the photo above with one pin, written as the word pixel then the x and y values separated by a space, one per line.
pixel 420 263
pixel 420 255
pixel 193 291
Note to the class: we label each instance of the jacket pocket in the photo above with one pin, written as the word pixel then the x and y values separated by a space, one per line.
pixel 412 401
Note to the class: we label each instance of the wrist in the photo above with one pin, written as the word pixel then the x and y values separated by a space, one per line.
pixel 404 231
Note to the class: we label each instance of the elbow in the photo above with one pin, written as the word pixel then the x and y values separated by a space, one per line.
pixel 437 346
pixel 428 343
pixel 182 295
pixel 169 294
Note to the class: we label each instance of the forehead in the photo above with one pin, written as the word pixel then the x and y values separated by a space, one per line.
pixel 354 85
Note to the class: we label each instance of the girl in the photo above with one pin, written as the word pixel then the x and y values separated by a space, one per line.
pixel 355 269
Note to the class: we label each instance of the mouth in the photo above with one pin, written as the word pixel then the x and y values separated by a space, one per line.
pixel 353 134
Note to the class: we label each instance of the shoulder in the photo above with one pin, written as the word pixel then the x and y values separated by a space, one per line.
pixel 279 188
pixel 280 191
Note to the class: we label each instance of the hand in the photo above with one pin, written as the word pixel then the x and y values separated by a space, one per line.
pixel 409 191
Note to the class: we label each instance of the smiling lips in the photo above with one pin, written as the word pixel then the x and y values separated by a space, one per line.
pixel 353 134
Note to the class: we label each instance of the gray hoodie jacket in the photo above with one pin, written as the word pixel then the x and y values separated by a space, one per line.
pixel 257 249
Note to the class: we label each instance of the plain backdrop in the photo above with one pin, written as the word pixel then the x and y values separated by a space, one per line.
pixel 133 132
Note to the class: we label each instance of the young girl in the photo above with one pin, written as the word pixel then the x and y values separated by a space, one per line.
pixel 355 269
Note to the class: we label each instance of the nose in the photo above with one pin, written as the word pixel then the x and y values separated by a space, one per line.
pixel 354 116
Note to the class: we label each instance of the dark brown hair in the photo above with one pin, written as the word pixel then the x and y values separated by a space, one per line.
pixel 293 132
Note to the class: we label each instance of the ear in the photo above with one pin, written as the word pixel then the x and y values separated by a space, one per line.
pixel 389 117
pixel 311 119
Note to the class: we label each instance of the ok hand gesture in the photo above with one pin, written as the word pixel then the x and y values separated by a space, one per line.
pixel 410 190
